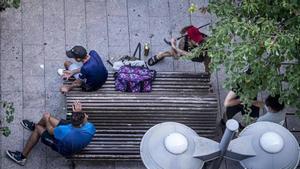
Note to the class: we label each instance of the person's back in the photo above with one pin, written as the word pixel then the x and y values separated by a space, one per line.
pixel 94 71
pixel 277 117
pixel 274 111
pixel 71 140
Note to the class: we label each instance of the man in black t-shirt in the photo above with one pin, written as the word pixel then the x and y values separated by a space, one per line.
pixel 234 105
pixel 90 76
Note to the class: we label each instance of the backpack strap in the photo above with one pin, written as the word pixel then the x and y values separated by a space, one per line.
pixel 138 48
pixel 109 62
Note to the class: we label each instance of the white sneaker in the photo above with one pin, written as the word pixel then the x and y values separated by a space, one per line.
pixel 60 72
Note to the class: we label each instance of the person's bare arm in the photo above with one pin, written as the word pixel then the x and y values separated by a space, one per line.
pixel 75 71
pixel 179 51
pixel 258 103
pixel 69 73
pixel 231 100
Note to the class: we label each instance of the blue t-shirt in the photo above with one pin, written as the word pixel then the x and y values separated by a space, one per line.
pixel 71 140
pixel 94 71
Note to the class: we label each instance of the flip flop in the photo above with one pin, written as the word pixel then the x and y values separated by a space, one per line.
pixel 167 42
pixel 153 60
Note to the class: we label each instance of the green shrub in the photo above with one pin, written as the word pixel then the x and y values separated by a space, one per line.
pixel 261 36
pixel 9 4
pixel 7 116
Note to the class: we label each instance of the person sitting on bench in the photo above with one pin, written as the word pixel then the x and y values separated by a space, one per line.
pixel 192 39
pixel 64 137
pixel 274 110
pixel 90 76
pixel 234 105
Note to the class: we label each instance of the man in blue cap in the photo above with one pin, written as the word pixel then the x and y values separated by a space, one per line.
pixel 90 76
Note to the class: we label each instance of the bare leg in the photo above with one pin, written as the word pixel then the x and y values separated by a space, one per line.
pixel 66 88
pixel 33 139
pixel 177 50
pixel 53 122
pixel 162 55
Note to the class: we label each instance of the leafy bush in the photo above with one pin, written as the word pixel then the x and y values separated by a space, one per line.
pixel 9 4
pixel 258 42
pixel 8 109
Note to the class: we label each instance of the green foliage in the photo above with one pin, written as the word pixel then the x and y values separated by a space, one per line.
pixel 8 109
pixel 9 4
pixel 5 131
pixel 257 35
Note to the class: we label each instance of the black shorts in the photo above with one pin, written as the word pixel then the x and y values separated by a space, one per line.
pixel 233 110
pixel 49 139
pixel 88 88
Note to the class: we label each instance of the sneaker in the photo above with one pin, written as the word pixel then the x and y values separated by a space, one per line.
pixel 60 72
pixel 28 125
pixel 16 157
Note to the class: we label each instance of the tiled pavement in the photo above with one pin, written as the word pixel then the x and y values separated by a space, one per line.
pixel 33 43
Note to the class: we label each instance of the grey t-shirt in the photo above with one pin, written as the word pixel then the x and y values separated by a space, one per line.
pixel 278 117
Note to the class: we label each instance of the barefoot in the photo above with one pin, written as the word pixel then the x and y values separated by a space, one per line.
pixel 65 89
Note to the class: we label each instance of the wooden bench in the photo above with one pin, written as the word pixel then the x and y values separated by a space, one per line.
pixel 121 119
pixel 292 123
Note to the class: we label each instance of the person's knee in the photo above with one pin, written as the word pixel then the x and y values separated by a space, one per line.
pixel 173 52
pixel 46 115
pixel 67 64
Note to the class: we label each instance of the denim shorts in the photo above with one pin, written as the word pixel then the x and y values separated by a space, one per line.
pixel 74 66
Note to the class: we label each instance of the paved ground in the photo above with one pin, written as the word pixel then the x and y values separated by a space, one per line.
pixel 33 43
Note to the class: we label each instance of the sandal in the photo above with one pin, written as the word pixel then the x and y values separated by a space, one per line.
pixel 153 60
pixel 167 42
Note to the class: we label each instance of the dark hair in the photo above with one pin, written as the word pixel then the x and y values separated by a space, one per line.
pixel 77 118
pixel 77 52
pixel 273 103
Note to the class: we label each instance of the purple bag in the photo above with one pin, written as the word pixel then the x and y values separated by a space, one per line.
pixel 134 79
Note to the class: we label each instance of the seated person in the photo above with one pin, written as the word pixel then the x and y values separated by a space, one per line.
pixel 274 110
pixel 234 105
pixel 62 136
pixel 90 76
pixel 192 39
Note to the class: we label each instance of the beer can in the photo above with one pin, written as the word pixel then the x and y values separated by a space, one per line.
pixel 146 49
pixel 69 115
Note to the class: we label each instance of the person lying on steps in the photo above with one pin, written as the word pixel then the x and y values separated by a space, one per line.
pixel 192 39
